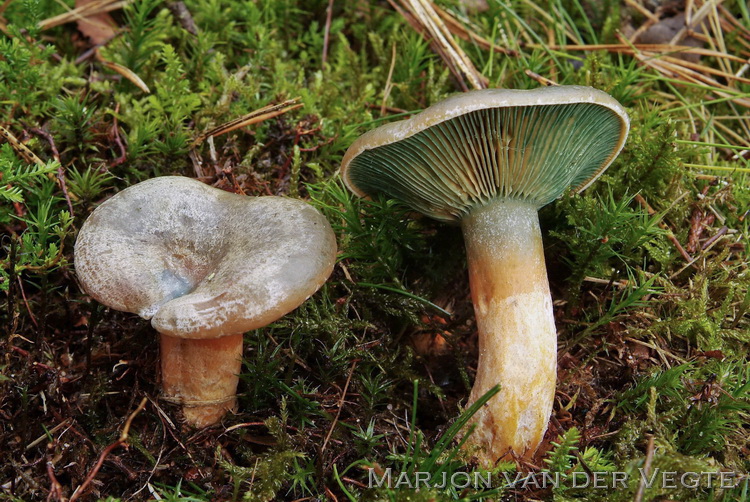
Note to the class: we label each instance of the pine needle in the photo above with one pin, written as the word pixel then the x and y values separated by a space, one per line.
pixel 423 17
pixel 254 117
pixel 463 33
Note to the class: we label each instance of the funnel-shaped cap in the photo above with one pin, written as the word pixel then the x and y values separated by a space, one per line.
pixel 200 262
pixel 494 143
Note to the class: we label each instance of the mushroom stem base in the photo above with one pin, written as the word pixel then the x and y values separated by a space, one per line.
pixel 202 375
pixel 517 335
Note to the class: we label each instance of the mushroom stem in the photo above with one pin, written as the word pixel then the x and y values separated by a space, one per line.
pixel 517 336
pixel 202 375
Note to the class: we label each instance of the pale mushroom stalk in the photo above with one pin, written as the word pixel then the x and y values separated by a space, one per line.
pixel 489 160
pixel 513 309
pixel 205 266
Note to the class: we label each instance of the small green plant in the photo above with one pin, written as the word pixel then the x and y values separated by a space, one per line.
pixel 4 378
pixel 667 385
pixel 73 122
pixel 561 458
pixel 18 178
pixel 172 105
pixel 89 183
pixel 608 237
pixel 140 43
pixel 375 235
pixel 270 471
pixel 25 83
pixel 367 440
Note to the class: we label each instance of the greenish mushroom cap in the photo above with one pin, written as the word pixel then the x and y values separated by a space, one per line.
pixel 479 146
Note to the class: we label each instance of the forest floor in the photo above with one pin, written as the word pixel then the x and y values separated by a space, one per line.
pixel 648 266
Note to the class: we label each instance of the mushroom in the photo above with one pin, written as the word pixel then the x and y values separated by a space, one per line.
pixel 205 266
pixel 489 160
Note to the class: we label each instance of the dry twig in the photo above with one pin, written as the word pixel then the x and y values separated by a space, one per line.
pixel 60 171
pixel 121 441
pixel 341 406
pixel 646 470
pixel 327 31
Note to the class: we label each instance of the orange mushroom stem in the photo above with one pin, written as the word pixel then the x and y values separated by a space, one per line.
pixel 518 339
pixel 201 375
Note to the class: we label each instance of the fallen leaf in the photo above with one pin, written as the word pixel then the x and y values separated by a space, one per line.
pixel 99 27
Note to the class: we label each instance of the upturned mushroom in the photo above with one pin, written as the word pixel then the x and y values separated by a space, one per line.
pixel 489 160
pixel 205 266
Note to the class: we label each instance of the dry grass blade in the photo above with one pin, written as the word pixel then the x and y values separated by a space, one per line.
pixel 81 13
pixel 643 10
pixel 695 19
pixel 707 21
pixel 254 117
pixel 388 81
pixel 414 23
pixel 728 18
pixel 45 437
pixel 125 72
pixel 716 29
pixel 425 19
pixel 704 69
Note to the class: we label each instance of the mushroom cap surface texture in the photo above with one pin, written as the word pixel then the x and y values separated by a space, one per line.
pixel 472 148
pixel 201 262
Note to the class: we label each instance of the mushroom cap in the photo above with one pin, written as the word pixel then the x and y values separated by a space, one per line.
pixel 200 262
pixel 481 145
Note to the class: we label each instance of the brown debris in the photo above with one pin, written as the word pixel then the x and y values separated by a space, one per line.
pixel 99 27
pixel 180 11
pixel 668 31
pixel 699 221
